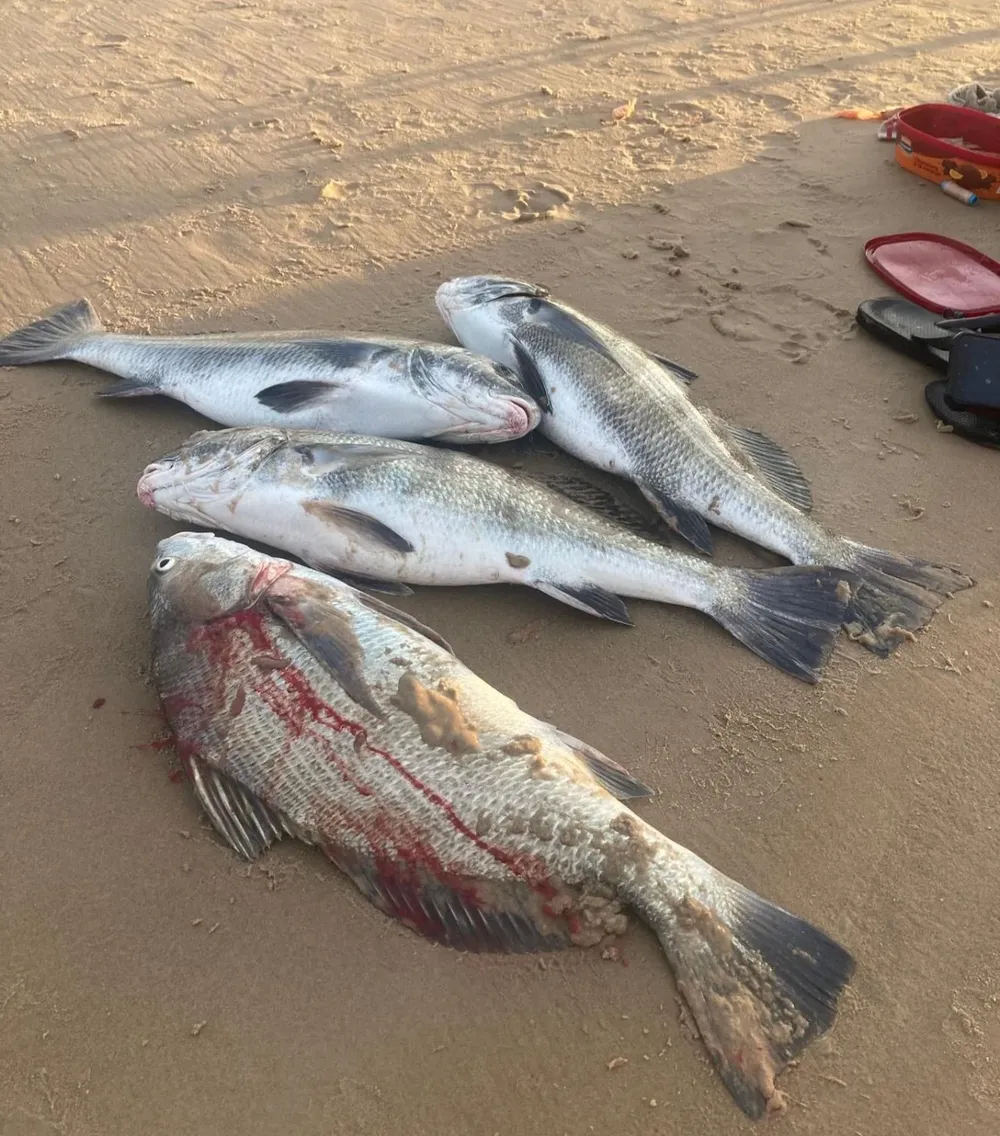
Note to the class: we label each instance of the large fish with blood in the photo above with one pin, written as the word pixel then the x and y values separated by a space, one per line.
pixel 396 388
pixel 396 513
pixel 617 406
pixel 302 707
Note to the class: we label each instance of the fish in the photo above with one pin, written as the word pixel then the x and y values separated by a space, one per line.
pixel 397 388
pixel 392 513
pixel 614 405
pixel 301 708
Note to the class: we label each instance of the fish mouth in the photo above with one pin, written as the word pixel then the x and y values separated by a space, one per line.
pixel 522 417
pixel 519 417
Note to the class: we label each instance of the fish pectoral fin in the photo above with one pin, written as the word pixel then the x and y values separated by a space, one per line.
pixel 285 398
pixel 404 617
pixel 361 525
pixel 612 776
pixel 676 370
pixel 365 583
pixel 531 377
pixel 327 633
pixel 681 519
pixel 773 465
pixel 246 824
pixel 461 912
pixel 600 500
pixel 591 598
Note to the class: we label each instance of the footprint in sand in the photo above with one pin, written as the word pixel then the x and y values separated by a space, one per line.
pixel 972 1027
pixel 542 201
pixel 783 320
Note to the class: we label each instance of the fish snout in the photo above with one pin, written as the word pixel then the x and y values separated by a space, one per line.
pixel 151 480
pixel 523 415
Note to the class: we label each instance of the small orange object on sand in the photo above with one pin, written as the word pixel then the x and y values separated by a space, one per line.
pixel 862 115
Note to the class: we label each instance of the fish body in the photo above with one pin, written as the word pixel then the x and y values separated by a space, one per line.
pixel 614 405
pixel 301 707
pixel 389 387
pixel 404 513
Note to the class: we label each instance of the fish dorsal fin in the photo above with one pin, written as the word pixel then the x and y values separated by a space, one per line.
pixel 676 370
pixel 458 911
pixel 366 583
pixel 614 777
pixel 404 617
pixel 681 519
pixel 773 465
pixel 319 458
pixel 246 824
pixel 326 632
pixel 362 526
pixel 591 598
pixel 599 500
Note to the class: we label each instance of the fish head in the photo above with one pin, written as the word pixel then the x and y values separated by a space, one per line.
pixel 484 399
pixel 197 577
pixel 210 465
pixel 481 310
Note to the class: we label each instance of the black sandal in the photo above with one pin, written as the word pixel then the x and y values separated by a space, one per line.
pixel 968 400
pixel 917 332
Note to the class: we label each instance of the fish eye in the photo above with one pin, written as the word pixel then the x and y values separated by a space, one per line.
pixel 164 564
pixel 505 372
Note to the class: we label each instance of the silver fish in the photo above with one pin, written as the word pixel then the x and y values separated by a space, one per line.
pixel 398 512
pixel 301 707
pixel 394 388
pixel 613 404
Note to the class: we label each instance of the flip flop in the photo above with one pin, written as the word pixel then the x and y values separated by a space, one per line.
pixel 977 427
pixel 917 332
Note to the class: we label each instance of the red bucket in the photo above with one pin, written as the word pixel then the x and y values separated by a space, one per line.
pixel 941 142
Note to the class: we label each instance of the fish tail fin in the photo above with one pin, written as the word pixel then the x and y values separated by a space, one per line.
pixel 895 595
pixel 52 337
pixel 789 616
pixel 761 983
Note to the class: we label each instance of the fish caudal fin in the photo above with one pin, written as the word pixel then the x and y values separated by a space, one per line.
pixel 760 983
pixel 789 616
pixel 52 337
pixel 895 595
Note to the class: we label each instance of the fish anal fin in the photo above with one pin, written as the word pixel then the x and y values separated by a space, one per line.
pixel 327 633
pixel 681 519
pixel 505 916
pixel 614 777
pixel 590 598
pixel 243 821
pixel 531 377
pixel 286 398
pixel 362 526
pixel 775 467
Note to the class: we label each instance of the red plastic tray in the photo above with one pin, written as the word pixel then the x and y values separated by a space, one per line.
pixel 938 273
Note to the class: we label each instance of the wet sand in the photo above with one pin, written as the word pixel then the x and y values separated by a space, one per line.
pixel 170 162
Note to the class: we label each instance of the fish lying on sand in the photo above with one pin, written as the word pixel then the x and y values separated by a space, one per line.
pixel 612 404
pixel 302 707
pixel 394 511
pixel 394 388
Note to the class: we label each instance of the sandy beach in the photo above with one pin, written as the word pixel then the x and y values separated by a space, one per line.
pixel 242 164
